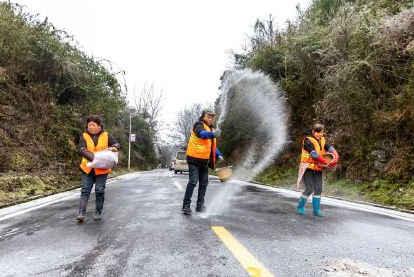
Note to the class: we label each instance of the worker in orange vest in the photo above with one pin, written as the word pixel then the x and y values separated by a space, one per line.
pixel 202 153
pixel 312 164
pixel 94 139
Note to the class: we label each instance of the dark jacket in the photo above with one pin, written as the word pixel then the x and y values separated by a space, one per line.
pixel 83 150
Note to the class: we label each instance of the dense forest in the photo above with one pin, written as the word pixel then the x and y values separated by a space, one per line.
pixel 349 65
pixel 48 87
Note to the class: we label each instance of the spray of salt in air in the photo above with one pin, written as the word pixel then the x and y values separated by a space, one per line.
pixel 251 100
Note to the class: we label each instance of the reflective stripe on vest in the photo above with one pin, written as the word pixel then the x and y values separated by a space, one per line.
pixel 306 157
pixel 201 148
pixel 90 145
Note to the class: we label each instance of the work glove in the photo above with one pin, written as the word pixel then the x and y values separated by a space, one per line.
pixel 220 158
pixel 216 133
pixel 112 148
pixel 322 160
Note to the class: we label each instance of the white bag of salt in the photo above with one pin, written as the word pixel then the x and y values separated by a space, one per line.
pixel 104 159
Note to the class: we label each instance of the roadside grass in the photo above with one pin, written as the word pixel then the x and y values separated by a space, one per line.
pixel 121 171
pixel 17 188
pixel 393 195
pixel 399 195
pixel 279 177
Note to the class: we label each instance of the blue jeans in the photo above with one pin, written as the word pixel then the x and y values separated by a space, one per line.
pixel 197 174
pixel 87 183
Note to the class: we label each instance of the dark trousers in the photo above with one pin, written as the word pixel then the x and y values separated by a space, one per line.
pixel 313 182
pixel 197 173
pixel 87 183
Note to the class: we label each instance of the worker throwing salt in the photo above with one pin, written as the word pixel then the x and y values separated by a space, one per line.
pixel 312 164
pixel 201 154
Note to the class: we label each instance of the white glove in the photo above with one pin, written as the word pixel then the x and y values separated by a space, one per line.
pixel 217 133
pixel 220 158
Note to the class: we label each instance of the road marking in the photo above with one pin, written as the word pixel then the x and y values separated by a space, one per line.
pixel 341 203
pixel 12 211
pixel 38 206
pixel 247 260
pixel 179 186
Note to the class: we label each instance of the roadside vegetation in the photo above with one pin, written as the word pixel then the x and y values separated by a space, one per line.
pixel 347 64
pixel 395 195
pixel 48 86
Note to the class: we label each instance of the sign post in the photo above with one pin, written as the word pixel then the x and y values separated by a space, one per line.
pixel 131 138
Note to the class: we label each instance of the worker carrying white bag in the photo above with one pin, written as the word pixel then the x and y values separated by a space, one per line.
pixel 104 159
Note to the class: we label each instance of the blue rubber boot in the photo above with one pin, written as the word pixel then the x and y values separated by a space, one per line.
pixel 301 204
pixel 316 202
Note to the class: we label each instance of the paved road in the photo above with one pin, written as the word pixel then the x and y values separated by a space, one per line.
pixel 248 230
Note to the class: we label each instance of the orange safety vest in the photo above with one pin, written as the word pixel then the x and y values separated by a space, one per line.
pixel 201 148
pixel 306 157
pixel 102 145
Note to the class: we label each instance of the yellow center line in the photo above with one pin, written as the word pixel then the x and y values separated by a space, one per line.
pixel 247 260
pixel 179 186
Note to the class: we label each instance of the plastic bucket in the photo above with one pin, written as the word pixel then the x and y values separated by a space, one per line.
pixel 328 157
pixel 224 173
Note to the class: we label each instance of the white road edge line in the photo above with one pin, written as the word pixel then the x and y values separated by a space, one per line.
pixel 37 206
pixel 326 200
pixel 39 203
pixel 336 202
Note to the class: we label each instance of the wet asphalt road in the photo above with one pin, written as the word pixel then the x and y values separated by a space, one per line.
pixel 143 233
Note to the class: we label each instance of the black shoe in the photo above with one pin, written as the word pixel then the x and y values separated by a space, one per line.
pixel 200 208
pixel 98 216
pixel 186 209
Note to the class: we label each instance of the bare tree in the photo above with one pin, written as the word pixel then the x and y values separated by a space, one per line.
pixel 265 34
pixel 165 151
pixel 185 121
pixel 148 104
